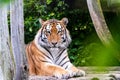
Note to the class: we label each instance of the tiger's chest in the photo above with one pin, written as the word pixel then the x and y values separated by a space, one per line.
pixel 54 51
pixel 56 54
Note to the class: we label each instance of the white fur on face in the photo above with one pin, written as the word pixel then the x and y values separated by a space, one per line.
pixel 58 26
pixel 48 27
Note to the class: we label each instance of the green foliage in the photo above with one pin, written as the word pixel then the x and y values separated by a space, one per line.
pixel 3 2
pixel 95 78
pixel 86 48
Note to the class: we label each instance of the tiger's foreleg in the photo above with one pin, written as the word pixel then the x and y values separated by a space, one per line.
pixel 56 71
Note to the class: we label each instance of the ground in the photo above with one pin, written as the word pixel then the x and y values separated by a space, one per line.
pixel 92 73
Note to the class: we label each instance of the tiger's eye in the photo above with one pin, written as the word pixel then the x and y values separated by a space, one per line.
pixel 59 31
pixel 48 31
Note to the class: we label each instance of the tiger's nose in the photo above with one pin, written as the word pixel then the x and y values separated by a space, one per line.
pixel 54 43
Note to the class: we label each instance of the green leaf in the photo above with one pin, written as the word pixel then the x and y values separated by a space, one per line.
pixel 49 1
pixel 60 3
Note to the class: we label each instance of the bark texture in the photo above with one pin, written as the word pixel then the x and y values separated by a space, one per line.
pixel 6 61
pixel 17 38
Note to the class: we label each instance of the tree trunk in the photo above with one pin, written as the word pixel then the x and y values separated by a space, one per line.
pixel 17 38
pixel 101 27
pixel 6 61
pixel 99 22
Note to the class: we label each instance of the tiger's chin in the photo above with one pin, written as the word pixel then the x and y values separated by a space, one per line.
pixel 49 45
pixel 60 46
pixel 54 47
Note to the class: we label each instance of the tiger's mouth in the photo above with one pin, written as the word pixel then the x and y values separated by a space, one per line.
pixel 54 45
pixel 58 45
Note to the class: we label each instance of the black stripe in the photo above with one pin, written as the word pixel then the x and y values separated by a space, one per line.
pixel 66 67
pixel 65 33
pixel 48 56
pixel 64 40
pixel 57 58
pixel 42 33
pixel 64 63
pixel 60 53
pixel 48 52
pixel 62 60
pixel 42 39
pixel 44 61
pixel 66 36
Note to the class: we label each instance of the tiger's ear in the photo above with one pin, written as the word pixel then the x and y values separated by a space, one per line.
pixel 65 20
pixel 41 21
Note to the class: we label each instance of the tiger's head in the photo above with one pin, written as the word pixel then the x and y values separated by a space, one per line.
pixel 53 34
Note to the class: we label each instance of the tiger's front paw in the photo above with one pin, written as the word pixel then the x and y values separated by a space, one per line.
pixel 80 73
pixel 77 73
pixel 62 75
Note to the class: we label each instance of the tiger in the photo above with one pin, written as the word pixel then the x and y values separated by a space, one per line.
pixel 47 54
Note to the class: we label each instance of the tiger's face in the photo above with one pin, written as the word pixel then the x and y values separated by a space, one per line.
pixel 54 34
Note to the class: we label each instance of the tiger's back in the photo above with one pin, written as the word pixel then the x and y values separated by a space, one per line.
pixel 47 53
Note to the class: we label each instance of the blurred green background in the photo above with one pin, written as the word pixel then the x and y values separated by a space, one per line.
pixel 86 49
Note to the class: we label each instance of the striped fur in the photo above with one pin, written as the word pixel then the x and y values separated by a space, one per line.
pixel 47 53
